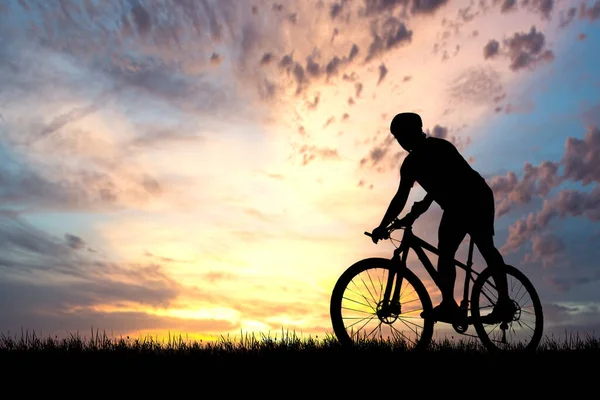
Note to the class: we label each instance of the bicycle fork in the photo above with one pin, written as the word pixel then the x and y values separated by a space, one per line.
pixel 392 306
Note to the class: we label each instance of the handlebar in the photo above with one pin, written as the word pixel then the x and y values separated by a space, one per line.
pixel 404 222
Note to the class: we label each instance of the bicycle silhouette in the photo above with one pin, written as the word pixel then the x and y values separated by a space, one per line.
pixel 393 294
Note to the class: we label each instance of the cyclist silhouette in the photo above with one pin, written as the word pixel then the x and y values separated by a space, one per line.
pixel 465 198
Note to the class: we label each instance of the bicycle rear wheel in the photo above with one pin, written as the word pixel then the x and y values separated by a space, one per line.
pixel 525 328
pixel 356 307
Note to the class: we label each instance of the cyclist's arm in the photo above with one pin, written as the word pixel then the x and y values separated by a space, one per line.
pixel 398 202
pixel 421 206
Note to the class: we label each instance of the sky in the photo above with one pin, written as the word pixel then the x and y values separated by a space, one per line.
pixel 208 168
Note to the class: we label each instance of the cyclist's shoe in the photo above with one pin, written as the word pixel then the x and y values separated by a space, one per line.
pixel 447 311
pixel 503 312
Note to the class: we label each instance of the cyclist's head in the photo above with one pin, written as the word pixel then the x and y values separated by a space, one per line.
pixel 407 128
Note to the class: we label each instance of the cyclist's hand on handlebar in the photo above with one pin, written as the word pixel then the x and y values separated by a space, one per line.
pixel 405 221
pixel 379 233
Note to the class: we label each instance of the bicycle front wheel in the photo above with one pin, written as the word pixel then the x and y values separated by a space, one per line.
pixel 524 330
pixel 357 301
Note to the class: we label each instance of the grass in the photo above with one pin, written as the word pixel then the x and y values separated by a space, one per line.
pixel 247 344
pixel 283 358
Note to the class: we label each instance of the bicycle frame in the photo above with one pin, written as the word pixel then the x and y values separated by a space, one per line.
pixel 411 241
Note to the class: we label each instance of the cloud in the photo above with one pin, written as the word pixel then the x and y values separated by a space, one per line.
pixel 579 165
pixel 158 137
pixel 358 86
pixel 592 13
pixel 466 13
pixel 51 284
pixel 74 241
pixel 338 9
pixel 519 108
pixel 476 85
pixel 546 248
pixel 507 5
pixel 491 49
pixel 582 157
pixel 336 63
pixel 32 255
pixel 35 185
pixel 525 50
pixel 442 132
pixel 439 132
pixel 310 153
pixel 159 48
pixel 384 156
pixel 536 181
pixel 387 35
pixel 571 203
pixel 566 283
pixel 57 159
pixel 567 17
pixel 375 7
pixel 567 203
pixel 266 59
pixel 382 73
pixel 591 116
pixel 544 7
pixel 167 49
pixel 572 317
pixel 427 6
pixel 62 310
pixel 215 59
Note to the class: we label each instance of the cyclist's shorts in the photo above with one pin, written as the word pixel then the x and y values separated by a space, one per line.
pixel 476 217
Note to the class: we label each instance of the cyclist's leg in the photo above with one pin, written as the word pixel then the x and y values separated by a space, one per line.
pixel 482 231
pixel 451 233
pixel 493 259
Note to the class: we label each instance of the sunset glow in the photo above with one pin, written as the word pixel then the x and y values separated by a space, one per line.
pixel 209 168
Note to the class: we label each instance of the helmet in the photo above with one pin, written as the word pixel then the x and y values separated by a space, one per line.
pixel 406 122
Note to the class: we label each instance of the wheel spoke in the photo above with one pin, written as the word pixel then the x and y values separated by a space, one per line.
pixel 363 296
pixel 372 298
pixel 523 332
pixel 369 290
pixel 352 309
pixel 409 322
pixel 524 293
pixel 362 319
pixel 402 334
pixel 527 325
pixel 412 311
pixel 374 329
pixel 371 280
pixel 410 301
pixel 357 302
pixel 402 287
pixel 414 290
pixel 361 314
pixel 365 324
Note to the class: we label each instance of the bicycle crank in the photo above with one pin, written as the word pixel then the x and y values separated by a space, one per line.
pixel 460 327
